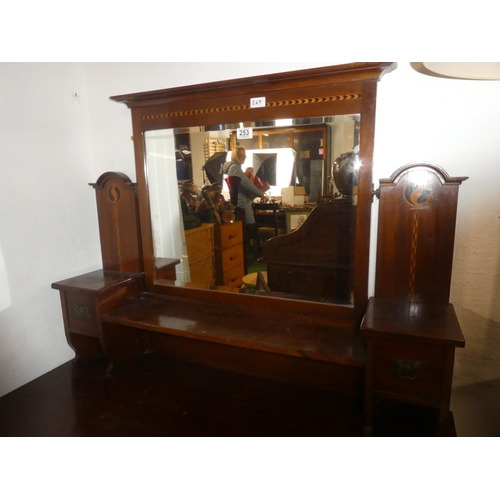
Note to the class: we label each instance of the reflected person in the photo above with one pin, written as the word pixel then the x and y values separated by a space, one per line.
pixel 247 191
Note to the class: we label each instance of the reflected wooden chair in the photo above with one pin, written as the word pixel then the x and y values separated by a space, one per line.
pixel 267 223
pixel 261 284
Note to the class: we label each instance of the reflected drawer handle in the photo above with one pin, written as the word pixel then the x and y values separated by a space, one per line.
pixel 409 369
pixel 231 236
pixel 233 257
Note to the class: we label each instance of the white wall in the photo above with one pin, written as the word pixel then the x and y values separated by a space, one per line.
pixel 47 211
pixel 52 145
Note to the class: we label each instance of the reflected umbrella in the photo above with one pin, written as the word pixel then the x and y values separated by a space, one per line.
pixel 213 167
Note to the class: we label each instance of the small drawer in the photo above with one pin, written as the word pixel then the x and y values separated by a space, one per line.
pixel 232 257
pixel 234 277
pixel 81 313
pixel 230 234
pixel 409 368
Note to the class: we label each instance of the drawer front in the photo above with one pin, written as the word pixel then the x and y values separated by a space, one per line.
pixel 232 257
pixel 409 368
pixel 81 313
pixel 234 277
pixel 199 244
pixel 230 234
pixel 202 272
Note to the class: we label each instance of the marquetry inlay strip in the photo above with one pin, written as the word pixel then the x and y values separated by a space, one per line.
pixel 118 236
pixel 413 255
pixel 242 107
pixel 114 195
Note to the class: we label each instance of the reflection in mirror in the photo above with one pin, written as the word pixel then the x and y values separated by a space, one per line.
pixel 298 159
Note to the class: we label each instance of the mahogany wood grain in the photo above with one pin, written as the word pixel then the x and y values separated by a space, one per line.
pixel 292 336
pixel 124 344
pixel 429 323
pixel 158 396
pixel 119 229
pixel 416 234
pixel 288 348
pixel 316 260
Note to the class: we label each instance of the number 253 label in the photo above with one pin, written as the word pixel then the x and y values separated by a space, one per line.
pixel 244 133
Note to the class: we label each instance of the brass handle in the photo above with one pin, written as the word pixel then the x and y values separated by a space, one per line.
pixel 409 369
pixel 81 311
pixel 410 373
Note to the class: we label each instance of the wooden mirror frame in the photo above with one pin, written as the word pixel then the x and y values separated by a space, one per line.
pixel 325 91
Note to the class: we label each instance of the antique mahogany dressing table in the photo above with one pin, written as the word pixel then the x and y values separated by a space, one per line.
pixel 136 306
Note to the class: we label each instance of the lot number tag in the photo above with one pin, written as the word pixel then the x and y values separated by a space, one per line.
pixel 258 102
pixel 244 133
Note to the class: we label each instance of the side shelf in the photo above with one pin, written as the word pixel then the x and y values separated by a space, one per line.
pixel 85 298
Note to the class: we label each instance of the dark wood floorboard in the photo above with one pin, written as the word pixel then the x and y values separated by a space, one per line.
pixel 157 396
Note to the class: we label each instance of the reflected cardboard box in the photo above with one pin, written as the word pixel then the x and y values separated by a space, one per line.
pixel 293 195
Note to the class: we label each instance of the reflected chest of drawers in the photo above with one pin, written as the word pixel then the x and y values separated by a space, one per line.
pixel 200 251
pixel 229 254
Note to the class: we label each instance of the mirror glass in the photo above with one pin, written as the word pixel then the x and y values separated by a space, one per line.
pixel 300 163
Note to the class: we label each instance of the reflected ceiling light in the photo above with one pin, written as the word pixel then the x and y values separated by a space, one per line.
pixel 460 70
pixel 284 122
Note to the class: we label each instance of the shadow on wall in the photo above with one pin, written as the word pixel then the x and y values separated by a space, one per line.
pixel 479 361
pixel 495 313
pixel 476 409
pixel 5 299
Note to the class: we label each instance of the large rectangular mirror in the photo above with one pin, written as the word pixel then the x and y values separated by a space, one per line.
pixel 287 155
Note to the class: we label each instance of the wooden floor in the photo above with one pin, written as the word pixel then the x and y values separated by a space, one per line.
pixel 157 396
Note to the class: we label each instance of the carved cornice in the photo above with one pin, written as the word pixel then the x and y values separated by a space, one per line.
pixel 314 77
